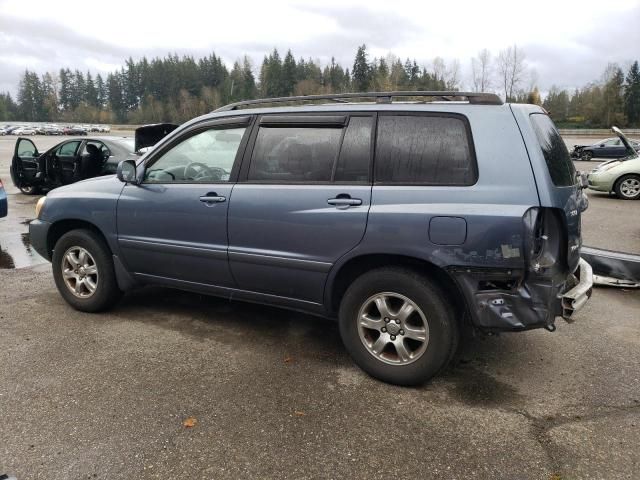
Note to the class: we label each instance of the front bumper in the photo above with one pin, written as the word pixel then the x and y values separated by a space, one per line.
pixel 600 183
pixel 38 231
pixel 574 299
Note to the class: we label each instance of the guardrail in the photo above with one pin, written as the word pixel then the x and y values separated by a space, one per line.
pixel 596 132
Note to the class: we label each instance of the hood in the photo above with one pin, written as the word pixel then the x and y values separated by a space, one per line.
pixel 630 150
pixel 91 185
pixel 149 135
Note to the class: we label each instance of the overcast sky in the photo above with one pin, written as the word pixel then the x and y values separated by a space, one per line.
pixel 568 43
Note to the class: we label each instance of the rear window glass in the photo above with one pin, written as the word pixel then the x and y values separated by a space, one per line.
pixel 294 154
pixel 556 155
pixel 427 150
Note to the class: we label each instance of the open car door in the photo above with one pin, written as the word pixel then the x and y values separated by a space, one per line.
pixel 24 165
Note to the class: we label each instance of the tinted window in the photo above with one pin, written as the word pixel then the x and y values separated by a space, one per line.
pixel 555 151
pixel 103 151
pixel 294 154
pixel 26 148
pixel 355 154
pixel 68 149
pixel 432 150
pixel 206 157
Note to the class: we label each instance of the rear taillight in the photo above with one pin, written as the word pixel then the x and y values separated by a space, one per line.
pixel 545 239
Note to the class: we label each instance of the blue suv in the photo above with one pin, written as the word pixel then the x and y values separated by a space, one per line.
pixel 407 215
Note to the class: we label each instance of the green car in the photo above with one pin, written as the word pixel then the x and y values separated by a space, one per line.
pixel 620 176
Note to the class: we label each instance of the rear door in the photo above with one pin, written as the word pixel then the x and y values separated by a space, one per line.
pixel 24 165
pixel 301 204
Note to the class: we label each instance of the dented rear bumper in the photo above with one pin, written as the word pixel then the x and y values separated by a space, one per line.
pixel 517 303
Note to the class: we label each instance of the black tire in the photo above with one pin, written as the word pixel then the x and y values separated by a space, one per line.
pixel 623 184
pixel 587 156
pixel 31 190
pixel 106 292
pixel 443 331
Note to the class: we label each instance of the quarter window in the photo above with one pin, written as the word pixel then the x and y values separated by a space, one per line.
pixel 554 150
pixel 206 157
pixel 427 150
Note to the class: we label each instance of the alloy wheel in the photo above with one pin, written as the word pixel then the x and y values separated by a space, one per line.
pixel 80 272
pixel 393 328
pixel 630 187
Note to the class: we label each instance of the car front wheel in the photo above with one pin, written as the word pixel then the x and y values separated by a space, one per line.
pixel 587 156
pixel 397 326
pixel 628 187
pixel 30 190
pixel 83 271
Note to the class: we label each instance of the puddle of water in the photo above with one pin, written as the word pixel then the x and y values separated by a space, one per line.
pixel 16 251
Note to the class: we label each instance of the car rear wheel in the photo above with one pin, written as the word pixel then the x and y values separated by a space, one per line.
pixel 587 156
pixel 83 271
pixel 628 187
pixel 397 326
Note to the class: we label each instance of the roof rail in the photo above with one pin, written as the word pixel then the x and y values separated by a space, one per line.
pixel 380 97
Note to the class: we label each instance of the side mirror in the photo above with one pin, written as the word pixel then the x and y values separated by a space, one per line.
pixel 601 145
pixel 126 172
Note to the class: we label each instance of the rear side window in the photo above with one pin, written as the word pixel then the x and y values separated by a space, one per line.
pixel 313 154
pixel 355 155
pixel 554 150
pixel 68 149
pixel 426 150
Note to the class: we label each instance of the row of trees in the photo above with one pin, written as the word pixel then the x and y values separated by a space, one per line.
pixel 177 88
pixel 614 100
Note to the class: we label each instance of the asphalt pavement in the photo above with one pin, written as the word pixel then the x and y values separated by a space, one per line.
pixel 173 385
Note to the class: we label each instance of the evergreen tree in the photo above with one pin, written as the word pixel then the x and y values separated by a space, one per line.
pixel 79 89
pixel 101 90
pixel 632 96
pixel 361 72
pixel 90 92
pixel 30 97
pixel 288 74
pixel 66 89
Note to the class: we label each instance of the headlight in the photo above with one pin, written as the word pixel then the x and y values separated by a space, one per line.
pixel 39 206
pixel 604 168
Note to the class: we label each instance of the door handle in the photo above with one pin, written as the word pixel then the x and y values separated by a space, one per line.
pixel 212 197
pixel 344 201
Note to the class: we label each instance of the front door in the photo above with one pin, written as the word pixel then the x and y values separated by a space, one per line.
pixel 24 165
pixel 302 203
pixel 173 226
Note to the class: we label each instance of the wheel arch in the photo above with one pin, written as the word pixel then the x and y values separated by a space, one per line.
pixel 59 228
pixel 347 272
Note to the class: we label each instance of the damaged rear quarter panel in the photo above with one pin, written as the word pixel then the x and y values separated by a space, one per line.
pixel 493 210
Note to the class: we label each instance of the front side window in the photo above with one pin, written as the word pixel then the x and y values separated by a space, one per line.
pixel 206 157
pixel 426 150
